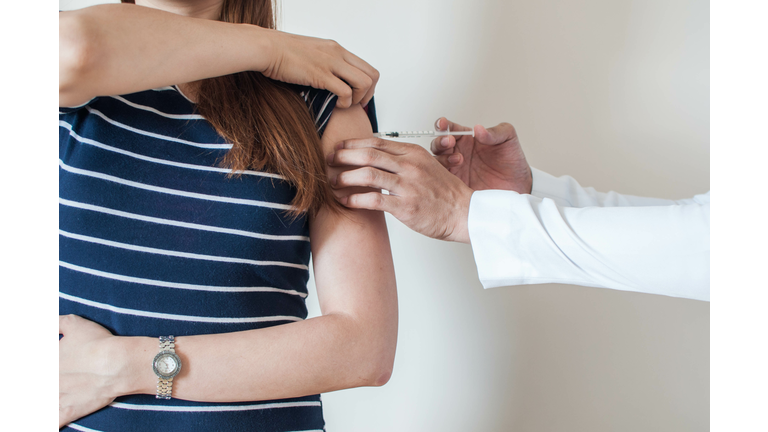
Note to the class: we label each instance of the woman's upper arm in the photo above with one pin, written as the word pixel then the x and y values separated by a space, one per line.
pixel 351 256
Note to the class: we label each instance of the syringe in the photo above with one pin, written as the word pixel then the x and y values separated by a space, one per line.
pixel 419 134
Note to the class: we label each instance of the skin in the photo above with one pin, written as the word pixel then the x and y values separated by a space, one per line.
pixel 431 195
pixel 352 344
pixel 120 48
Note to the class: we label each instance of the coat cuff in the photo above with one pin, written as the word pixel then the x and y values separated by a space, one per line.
pixel 508 241
pixel 548 186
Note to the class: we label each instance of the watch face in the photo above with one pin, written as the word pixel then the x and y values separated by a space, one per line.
pixel 167 364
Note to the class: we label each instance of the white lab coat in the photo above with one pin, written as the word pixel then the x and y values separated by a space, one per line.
pixel 565 233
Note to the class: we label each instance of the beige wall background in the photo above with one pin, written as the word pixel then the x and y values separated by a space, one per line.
pixel 613 93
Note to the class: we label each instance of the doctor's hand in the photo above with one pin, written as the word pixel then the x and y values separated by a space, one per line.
pixel 492 159
pixel 422 194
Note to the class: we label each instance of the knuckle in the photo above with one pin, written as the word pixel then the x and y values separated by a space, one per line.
pixel 380 143
pixel 345 93
pixel 341 156
pixel 355 201
pixel 377 200
pixel 371 175
pixel 419 152
pixel 341 179
pixel 371 155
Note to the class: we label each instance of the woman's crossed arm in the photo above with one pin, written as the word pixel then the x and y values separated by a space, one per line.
pixel 118 49
pixel 352 344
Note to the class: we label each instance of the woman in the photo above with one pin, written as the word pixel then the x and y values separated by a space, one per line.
pixel 159 238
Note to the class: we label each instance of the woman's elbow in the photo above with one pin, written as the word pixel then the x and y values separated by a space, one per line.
pixel 381 361
pixel 77 53
pixel 382 378
pixel 380 367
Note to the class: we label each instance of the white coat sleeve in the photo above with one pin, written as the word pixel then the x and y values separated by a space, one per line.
pixel 564 233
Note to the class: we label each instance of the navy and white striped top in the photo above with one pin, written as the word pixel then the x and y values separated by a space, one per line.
pixel 155 239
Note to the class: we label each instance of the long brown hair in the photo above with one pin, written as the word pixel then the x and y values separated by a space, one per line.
pixel 267 122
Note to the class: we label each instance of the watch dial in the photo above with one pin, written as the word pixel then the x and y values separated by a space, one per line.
pixel 166 364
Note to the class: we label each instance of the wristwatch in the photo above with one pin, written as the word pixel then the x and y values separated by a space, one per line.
pixel 166 365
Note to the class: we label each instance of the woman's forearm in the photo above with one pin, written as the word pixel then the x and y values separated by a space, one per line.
pixel 121 48
pixel 322 354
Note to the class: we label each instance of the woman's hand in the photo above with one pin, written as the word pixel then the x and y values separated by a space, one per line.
pixel 88 372
pixel 322 64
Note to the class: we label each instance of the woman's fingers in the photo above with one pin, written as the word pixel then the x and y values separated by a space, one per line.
pixel 67 323
pixel 322 64
pixel 340 89
pixel 356 79
pixel 368 70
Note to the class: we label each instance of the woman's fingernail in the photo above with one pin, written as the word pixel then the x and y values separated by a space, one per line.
pixel 329 158
pixel 334 180
pixel 444 142
pixel 454 159
pixel 343 200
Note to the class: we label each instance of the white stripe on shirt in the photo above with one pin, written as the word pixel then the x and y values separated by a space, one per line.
pixel 158 112
pixel 322 110
pixel 206 288
pixel 169 191
pixel 103 146
pixel 178 254
pixel 171 222
pixel 82 428
pixel 215 408
pixel 175 317
pixel 158 136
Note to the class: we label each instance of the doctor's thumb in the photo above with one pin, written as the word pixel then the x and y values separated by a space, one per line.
pixel 498 134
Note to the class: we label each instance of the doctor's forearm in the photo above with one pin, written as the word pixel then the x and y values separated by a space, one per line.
pixel 567 192
pixel 521 239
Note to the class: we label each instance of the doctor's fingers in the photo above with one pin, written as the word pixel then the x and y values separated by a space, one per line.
pixel 443 145
pixel 498 134
pixel 443 124
pixel 449 161
pixel 367 177
pixel 365 157
pixel 393 147
pixel 370 201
